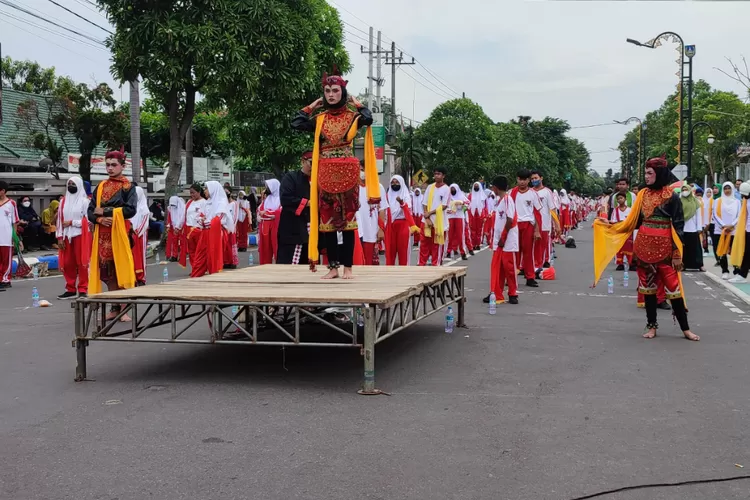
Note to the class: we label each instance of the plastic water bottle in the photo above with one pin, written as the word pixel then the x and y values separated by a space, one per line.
pixel 250 260
pixel 625 279
pixel 235 310
pixel 34 297
pixel 552 260
pixel 156 257
pixel 450 322
pixel 493 304
pixel 35 272
pixel 610 285
pixel 165 275
pixel 360 318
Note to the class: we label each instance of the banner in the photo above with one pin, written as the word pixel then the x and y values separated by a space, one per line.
pixel 98 165
pixel 378 135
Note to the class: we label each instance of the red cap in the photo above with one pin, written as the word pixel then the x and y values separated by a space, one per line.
pixel 307 155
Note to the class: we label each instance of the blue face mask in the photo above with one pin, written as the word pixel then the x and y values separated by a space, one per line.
pixel 535 183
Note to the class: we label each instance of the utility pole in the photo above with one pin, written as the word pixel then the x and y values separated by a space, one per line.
pixel 369 73
pixel 379 69
pixel 395 61
pixel 135 132
pixel 370 79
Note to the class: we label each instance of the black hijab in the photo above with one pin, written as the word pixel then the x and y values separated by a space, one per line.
pixel 26 213
pixel 663 175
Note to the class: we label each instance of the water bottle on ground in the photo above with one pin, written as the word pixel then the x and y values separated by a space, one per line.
pixel 493 304
pixel 450 322
pixel 165 275
pixel 34 297
pixel 625 279
pixel 235 310
pixel 35 271
pixel 610 285
pixel 156 257
pixel 250 260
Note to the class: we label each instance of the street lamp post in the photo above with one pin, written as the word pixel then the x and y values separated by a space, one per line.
pixel 641 144
pixel 686 60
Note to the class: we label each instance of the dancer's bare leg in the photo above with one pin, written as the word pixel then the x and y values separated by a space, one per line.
pixel 691 336
pixel 348 273
pixel 332 274
pixel 650 333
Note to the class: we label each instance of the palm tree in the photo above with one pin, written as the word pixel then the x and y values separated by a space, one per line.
pixel 410 157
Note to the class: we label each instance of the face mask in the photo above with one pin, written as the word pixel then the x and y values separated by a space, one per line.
pixel 361 176
pixel 396 187
pixel 476 188
pixel 535 183
pixel 685 194
pixel 72 189
pixel 453 191
pixel 26 204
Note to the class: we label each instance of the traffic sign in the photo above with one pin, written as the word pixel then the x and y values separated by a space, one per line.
pixel 680 171
pixel 419 178
pixel 690 50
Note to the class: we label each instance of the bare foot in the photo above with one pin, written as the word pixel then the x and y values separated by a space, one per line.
pixel 348 273
pixel 125 318
pixel 332 274
pixel 691 336
pixel 650 333
pixel 112 314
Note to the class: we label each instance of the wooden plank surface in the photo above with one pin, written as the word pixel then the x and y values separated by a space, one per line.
pixel 296 284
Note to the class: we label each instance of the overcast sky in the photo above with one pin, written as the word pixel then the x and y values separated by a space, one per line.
pixel 552 58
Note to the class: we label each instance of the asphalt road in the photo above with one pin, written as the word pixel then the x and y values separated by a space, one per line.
pixel 554 398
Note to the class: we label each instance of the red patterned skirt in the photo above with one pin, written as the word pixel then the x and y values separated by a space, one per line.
pixel 338 197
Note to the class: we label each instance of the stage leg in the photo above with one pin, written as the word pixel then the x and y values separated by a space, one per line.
pixel 81 359
pixel 461 305
pixel 368 387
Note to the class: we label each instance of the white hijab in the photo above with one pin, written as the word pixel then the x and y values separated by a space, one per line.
pixel 217 205
pixel 176 212
pixel 74 207
pixel 491 201
pixel 478 199
pixel 273 198
pixel 564 200
pixel 243 204
pixel 392 195
pixel 142 214
pixel 730 206
pixel 459 196
pixel 417 200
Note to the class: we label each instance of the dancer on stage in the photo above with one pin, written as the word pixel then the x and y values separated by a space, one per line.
pixel 175 225
pixel 435 227
pixel 657 212
pixel 113 203
pixel 269 212
pixel 294 222
pixel 194 221
pixel 74 239
pixel 334 187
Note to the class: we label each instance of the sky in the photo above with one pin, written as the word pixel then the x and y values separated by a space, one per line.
pixel 565 59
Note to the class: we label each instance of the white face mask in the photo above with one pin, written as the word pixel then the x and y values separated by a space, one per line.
pixel 361 176
pixel 26 204
pixel 685 194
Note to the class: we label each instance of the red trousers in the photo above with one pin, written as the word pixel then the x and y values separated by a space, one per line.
pixel 627 249
pixel 455 235
pixel 230 249
pixel 267 247
pixel 659 279
pixel 139 257
pixel 398 244
pixel 541 250
pixel 197 262
pixel 526 244
pixel 489 226
pixel 429 249
pixel 502 271
pixel 242 228
pixel 6 263
pixel 418 222
pixel 468 245
pixel 173 244
pixel 476 224
pixel 370 250
pixel 72 268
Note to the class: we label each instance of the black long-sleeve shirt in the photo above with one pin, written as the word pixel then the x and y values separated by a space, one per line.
pixel 295 208
pixel 127 199
pixel 304 123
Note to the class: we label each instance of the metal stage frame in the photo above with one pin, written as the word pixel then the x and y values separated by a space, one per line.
pixel 276 320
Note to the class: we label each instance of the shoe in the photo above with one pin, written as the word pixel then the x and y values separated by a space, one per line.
pixel 621 267
pixel 82 295
pixel 632 267
pixel 546 265
pixel 464 257
pixel 471 252
pixel 664 305
pixel 725 276
pixel 486 300
pixel 66 295
pixel 738 279
pixel 513 299
pixel 532 283
pixel 718 264
pixel 44 248
pixel 3 286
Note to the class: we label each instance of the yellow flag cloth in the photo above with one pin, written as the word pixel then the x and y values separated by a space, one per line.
pixel 439 229
pixel 312 247
pixel 554 216
pixel 120 251
pixel 738 247
pixel 609 238
pixel 372 182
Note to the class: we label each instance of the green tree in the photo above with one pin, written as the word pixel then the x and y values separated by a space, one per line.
pixel 27 76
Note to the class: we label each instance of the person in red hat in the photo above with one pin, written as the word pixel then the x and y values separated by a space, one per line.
pixel 657 214
pixel 335 119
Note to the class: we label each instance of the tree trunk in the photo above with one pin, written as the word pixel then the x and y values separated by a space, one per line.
pixel 135 132
pixel 178 126
pixel 84 166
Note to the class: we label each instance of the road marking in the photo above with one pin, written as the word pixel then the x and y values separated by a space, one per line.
pixel 728 304
pixel 735 310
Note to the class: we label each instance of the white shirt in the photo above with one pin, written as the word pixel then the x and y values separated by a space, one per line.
pixel 620 215
pixel 695 223
pixel 8 217
pixel 504 210
pixel 525 204
pixel 367 219
pixel 730 213
pixel 747 219
pixel 442 196
pixel 548 204
pixel 195 213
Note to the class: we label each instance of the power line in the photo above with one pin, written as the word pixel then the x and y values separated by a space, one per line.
pixel 456 94
pixel 595 125
pixel 30 13
pixel 356 36
pixel 86 6
pixel 63 34
pixel 80 16
pixel 436 92
pixel 356 28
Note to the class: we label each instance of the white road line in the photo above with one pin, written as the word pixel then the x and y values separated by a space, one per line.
pixel 735 310
pixel 728 304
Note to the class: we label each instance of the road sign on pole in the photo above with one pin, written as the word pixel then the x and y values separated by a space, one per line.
pixel 680 171
pixel 378 136
pixel 419 178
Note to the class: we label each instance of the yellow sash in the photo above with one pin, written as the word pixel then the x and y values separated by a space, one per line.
pixel 738 247
pixel 722 248
pixel 439 229
pixel 120 250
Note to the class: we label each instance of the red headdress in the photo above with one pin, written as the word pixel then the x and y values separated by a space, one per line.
pixel 307 155
pixel 334 78
pixel 117 155
pixel 659 162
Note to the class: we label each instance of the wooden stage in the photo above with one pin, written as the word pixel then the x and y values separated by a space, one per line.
pixel 274 305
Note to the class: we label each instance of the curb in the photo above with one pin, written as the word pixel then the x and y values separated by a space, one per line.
pixel 731 288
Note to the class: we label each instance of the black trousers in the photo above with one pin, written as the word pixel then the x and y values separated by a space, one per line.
pixel 292 254
pixel 339 254
pixel 692 252
pixel 745 267
pixel 678 310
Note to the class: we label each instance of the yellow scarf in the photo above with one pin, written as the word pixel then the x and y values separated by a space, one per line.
pixel 120 250
pixel 609 238
pixel 371 178
pixel 439 229
pixel 722 248
pixel 738 247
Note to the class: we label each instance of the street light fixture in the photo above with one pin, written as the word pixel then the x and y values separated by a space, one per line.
pixel 711 138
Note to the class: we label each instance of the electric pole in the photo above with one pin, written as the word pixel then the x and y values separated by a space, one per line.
pixel 379 80
pixel 370 79
pixel 394 62
pixel 369 73
pixel 135 132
